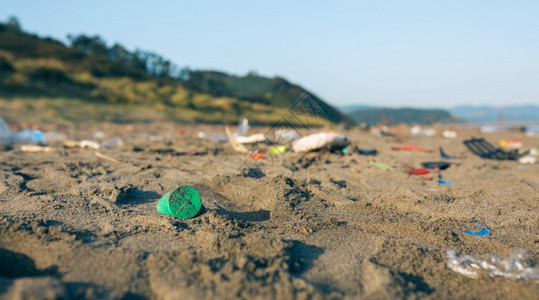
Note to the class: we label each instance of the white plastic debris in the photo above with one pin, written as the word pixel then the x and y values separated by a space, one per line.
pixel 528 159
pixel 287 135
pixel 251 139
pixel 418 131
pixel 35 148
pixel 515 266
pixel 317 141
pixel 242 129
pixel 449 134
pixel 113 142
pixel 82 144
pixel 201 134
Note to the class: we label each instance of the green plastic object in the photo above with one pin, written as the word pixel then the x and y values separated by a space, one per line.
pixel 278 149
pixel 182 202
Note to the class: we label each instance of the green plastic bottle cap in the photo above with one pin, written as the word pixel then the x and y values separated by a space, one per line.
pixel 182 202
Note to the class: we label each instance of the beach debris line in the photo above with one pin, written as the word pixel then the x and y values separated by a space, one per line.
pixel 183 202
pixel 410 148
pixel 516 266
pixel 320 140
pixel 483 232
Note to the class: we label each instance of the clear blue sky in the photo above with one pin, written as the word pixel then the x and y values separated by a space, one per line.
pixel 393 53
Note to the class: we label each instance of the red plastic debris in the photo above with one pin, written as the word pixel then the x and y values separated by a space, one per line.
pixel 257 156
pixel 410 148
pixel 427 177
pixel 420 171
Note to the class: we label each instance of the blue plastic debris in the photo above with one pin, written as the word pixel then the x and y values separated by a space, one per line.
pixel 484 232
pixel 444 182
pixel 446 156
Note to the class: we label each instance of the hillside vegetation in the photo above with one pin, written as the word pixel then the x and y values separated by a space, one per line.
pixel 91 81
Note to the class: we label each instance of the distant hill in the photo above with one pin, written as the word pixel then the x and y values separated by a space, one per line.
pixel 489 114
pixel 92 81
pixel 392 116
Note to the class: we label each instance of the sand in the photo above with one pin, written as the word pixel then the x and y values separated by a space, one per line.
pixel 75 225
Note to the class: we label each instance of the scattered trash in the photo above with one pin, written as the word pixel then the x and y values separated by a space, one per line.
pixel 235 145
pixel 533 152
pixel 24 137
pixel 277 149
pixel 410 148
pixel 484 149
pixel 320 140
pixel 420 171
pixel 483 232
pixel 441 165
pixel 449 134
pixel 35 148
pixel 106 157
pixel 528 159
pixel 344 150
pixel 255 138
pixel 113 142
pixel 257 156
pixel 418 131
pixel 287 135
pixel 511 144
pixel 516 266
pixel 242 129
pixel 382 166
pixel 488 129
pixel 367 151
pixel 182 202
pixel 446 156
pixel 81 144
pixel 218 138
pixel 201 134
pixel 444 182
pixel 427 177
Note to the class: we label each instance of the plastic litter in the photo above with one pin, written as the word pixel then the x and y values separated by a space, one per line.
pixel 255 138
pixel 35 148
pixel 449 134
pixel 242 129
pixel 484 149
pixel 420 171
pixel 533 152
pixel 24 137
pixel 277 149
pixel 382 166
pixel 287 135
pixel 483 232
pixel 201 134
pixel 182 202
pixel 511 144
pixel 444 182
pixel 446 156
pixel 441 165
pixel 238 147
pixel 367 152
pixel 82 144
pixel 515 266
pixel 528 159
pixel 320 140
pixel 113 142
pixel 257 156
pixel 410 148
pixel 418 131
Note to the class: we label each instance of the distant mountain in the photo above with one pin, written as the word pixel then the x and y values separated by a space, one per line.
pixel 489 114
pixel 392 116
pixel 92 81
pixel 351 108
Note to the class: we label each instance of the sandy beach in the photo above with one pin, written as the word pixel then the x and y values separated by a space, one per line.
pixel 75 225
